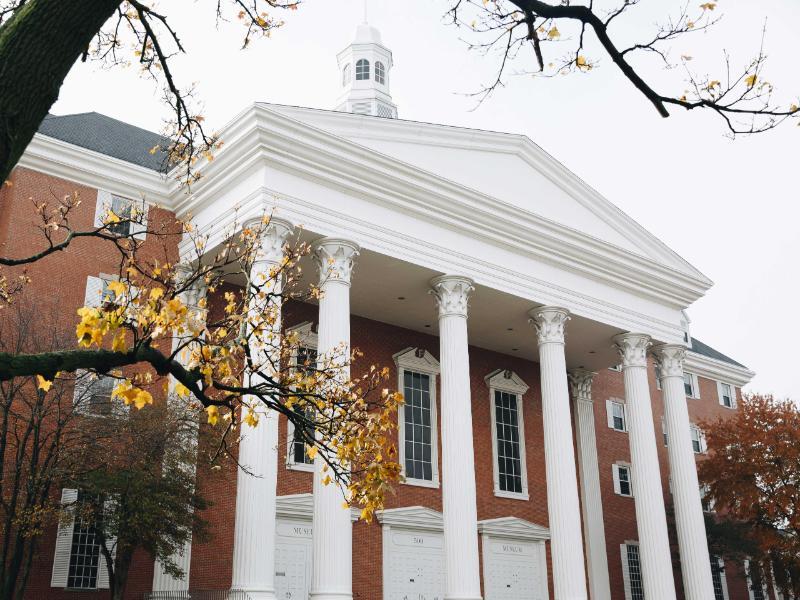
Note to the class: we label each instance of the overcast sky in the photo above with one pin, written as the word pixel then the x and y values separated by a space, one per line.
pixel 729 207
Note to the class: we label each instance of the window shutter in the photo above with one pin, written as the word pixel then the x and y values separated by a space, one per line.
pixel 111 542
pixel 695 387
pixel 610 413
pixel 615 475
pixel 703 445
pixel 626 575
pixel 64 541
pixel 723 580
pixel 94 291
pixel 734 401
pixel 104 200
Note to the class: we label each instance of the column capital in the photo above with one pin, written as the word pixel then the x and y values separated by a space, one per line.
pixel 336 258
pixel 549 322
pixel 192 295
pixel 273 238
pixel 669 358
pixel 580 383
pixel 632 348
pixel 452 294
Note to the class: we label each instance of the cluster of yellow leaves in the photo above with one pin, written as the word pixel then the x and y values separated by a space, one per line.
pixel 131 394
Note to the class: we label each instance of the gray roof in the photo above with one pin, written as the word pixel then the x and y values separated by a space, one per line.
pixel 706 350
pixel 108 136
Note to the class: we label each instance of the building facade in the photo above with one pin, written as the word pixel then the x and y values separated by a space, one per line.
pixel 539 335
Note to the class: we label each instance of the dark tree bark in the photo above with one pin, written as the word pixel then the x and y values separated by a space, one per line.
pixel 38 47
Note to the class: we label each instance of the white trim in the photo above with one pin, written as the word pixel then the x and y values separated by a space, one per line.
pixel 418 360
pixel 411 517
pixel 701 438
pixel 504 380
pixel 63 545
pixel 695 382
pixel 626 576
pixel 307 338
pixel 301 507
pixel 723 578
pixel 734 401
pixel 711 368
pixel 104 203
pixel 610 402
pixel 615 467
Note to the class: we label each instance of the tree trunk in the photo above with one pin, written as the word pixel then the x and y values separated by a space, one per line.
pixel 38 46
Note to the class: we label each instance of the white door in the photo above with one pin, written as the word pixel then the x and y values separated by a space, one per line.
pixel 414 566
pixel 514 571
pixel 292 560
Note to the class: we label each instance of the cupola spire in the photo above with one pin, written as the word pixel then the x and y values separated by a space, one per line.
pixel 364 67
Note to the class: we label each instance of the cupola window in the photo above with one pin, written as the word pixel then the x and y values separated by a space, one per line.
pixel 380 73
pixel 362 69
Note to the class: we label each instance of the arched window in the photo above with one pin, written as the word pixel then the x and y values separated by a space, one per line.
pixel 380 73
pixel 346 75
pixel 362 69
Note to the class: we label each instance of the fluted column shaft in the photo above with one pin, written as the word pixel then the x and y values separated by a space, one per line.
pixel 689 521
pixel 254 528
pixel 651 520
pixel 594 533
pixel 332 574
pixel 563 507
pixel 163 581
pixel 460 513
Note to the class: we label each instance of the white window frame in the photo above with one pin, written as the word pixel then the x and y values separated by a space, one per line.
pixel 363 70
pixel 418 360
pixel 504 380
pixel 704 490
pixel 63 547
pixel 750 593
pixel 720 395
pixel 615 475
pixel 380 72
pixel 610 403
pixel 346 75
pixel 105 200
pixel 626 576
pixel 695 395
pixel 723 579
pixel 83 383
pixel 701 439
pixel 307 338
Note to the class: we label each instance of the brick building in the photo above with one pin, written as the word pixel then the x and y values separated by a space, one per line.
pixel 534 453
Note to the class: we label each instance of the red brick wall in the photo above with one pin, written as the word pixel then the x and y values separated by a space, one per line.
pixel 63 276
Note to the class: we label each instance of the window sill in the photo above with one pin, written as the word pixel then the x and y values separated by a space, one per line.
pixel 623 495
pixel 512 495
pixel 423 483
pixel 618 430
pixel 292 466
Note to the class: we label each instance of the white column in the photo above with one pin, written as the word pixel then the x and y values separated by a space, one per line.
pixel 163 581
pixel 332 574
pixel 563 507
pixel 254 529
pixel 594 533
pixel 651 519
pixel 695 566
pixel 460 512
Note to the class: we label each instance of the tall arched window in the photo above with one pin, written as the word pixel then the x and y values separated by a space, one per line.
pixel 346 75
pixel 362 69
pixel 380 73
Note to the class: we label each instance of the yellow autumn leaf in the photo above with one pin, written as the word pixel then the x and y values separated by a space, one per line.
pixel 554 33
pixel 119 345
pixel 750 80
pixel 326 480
pixel 311 451
pixel 156 293
pixel 118 287
pixel 251 418
pixel 142 399
pixel 213 414
pixel 793 108
pixel 708 5
pixel 182 390
pixel 43 384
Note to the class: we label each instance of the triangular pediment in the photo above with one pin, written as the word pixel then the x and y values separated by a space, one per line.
pixel 412 517
pixel 508 167
pixel 515 528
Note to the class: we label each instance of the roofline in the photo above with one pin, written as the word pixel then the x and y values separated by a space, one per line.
pixel 712 368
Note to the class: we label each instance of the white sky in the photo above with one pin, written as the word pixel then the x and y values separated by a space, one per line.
pixel 729 207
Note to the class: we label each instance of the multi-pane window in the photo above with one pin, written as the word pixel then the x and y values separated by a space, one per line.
pixel 306 361
pixel 417 426
pixel 618 416
pixel 380 73
pixel 717 570
pixel 634 572
pixel 697 439
pixel 726 395
pixel 93 394
pixel 84 558
pixel 622 480
pixel 122 208
pixel 509 463
pixel 689 385
pixel 362 69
